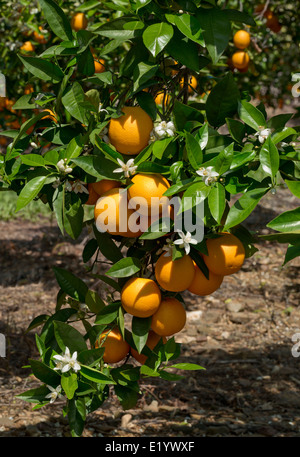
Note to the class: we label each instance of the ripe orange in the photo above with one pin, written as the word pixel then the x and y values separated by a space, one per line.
pixel 192 82
pixel 99 65
pixel 146 193
pixel 112 214
pixel 141 297
pixel 79 22
pixel 240 60
pixel 242 39
pixel 41 38
pixel 174 276
pixel 162 98
pixel 201 285
pixel 93 196
pixel 115 347
pixel 130 133
pixel 152 341
pixel 27 47
pixel 226 254
pixel 170 317
pixel 100 187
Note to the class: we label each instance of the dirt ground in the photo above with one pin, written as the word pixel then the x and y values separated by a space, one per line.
pixel 242 335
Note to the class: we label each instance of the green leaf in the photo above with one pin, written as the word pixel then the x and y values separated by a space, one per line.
pixel 71 284
pixel 44 373
pixel 186 52
pixel 294 187
pixel 69 384
pixel 157 36
pixel 285 133
pixel 97 166
pixel 251 115
pixel 188 26
pixel 184 113
pixel 33 160
pixel 240 16
pixel 30 191
pixel 68 336
pixel 125 267
pixel 289 221
pixel 76 411
pixel 108 314
pixel 216 30
pixel 57 20
pixel 72 100
pixel 89 250
pixel 187 366
pixel 222 101
pixel 217 201
pixel 269 157
pixel 36 395
pixel 42 69
pixel 244 206
pixel 140 329
pixel 142 73
pixel 95 375
pixel 106 245
pixel 236 129
pixel 292 252
pixel 91 356
pixel 127 397
pixel 147 103
pixel 94 301
pixel 194 151
pixel 73 215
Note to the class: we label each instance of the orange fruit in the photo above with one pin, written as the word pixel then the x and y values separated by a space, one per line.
pixel 146 193
pixel 226 254
pixel 174 275
pixel 99 65
pixel 115 348
pixel 162 98
pixel 170 317
pixel 2 103
pixel 152 341
pixel 93 196
pixel 9 105
pixel 100 187
pixel 79 22
pixel 112 214
pixel 27 47
pixel 240 60
pixel 140 297
pixel 130 133
pixel 192 82
pixel 272 22
pixel 28 89
pixel 41 38
pixel 241 39
pixel 201 285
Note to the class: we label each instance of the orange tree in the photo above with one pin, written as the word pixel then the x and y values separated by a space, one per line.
pixel 97 140
pixel 273 51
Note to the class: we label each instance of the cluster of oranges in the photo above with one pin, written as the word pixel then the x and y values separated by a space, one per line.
pixel 150 298
pixel 240 59
pixel 143 297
